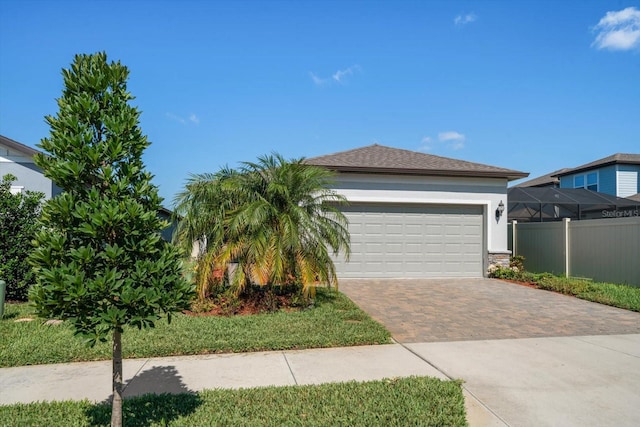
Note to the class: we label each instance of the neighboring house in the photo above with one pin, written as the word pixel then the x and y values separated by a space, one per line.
pixel 417 215
pixel 542 204
pixel 167 215
pixel 17 159
pixel 616 175
pixel 548 180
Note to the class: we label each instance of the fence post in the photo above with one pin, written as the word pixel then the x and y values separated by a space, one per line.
pixel 514 237
pixel 567 249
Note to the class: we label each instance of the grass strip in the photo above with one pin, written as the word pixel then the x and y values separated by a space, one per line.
pixel 334 321
pixel 621 296
pixel 422 401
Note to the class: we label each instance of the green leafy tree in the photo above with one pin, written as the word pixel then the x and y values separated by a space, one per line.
pixel 278 220
pixel 18 224
pixel 100 260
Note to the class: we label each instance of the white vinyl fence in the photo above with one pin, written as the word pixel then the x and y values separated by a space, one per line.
pixel 606 250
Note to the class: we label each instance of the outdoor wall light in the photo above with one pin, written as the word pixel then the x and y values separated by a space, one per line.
pixel 499 210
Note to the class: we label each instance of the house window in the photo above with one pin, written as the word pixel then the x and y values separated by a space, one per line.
pixel 16 189
pixel 592 181
pixel 588 181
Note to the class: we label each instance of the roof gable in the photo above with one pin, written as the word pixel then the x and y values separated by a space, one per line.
pixel 17 146
pixel 381 159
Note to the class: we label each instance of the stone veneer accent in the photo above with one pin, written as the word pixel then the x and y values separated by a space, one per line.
pixel 499 258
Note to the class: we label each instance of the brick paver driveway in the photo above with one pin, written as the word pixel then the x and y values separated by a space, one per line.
pixel 429 310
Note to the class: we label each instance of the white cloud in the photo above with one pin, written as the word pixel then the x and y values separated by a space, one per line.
pixel 451 136
pixel 618 30
pixel 455 139
pixel 192 118
pixel 340 76
pixel 462 20
pixel 176 118
pixel 427 144
pixel 317 80
pixel 459 145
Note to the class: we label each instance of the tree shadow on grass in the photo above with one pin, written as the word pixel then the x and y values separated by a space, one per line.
pixel 155 395
pixel 325 295
pixel 8 316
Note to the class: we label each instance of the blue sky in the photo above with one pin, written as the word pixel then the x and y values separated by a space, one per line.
pixel 528 85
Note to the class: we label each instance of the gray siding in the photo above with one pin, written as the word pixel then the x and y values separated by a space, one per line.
pixel 450 185
pixel 30 177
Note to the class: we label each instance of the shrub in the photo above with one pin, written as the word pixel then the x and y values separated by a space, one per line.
pixel 564 285
pixel 515 271
pixel 19 215
pixel 517 261
pixel 512 272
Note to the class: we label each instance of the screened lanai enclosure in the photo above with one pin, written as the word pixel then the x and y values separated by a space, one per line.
pixel 534 204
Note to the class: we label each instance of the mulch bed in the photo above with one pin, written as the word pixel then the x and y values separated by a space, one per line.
pixel 527 284
pixel 248 304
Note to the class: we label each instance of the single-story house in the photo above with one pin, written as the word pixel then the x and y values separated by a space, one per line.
pixel 417 215
pixel 616 175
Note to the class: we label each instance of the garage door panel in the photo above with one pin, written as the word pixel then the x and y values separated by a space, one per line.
pixel 413 247
pixel 413 241
pixel 394 229
pixel 396 267
pixel 394 247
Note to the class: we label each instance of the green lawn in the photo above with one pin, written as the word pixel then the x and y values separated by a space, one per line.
pixel 621 296
pixel 414 401
pixel 333 321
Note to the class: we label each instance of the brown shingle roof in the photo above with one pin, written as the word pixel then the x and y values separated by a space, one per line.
pixel 381 159
pixel 547 180
pixel 18 146
pixel 628 159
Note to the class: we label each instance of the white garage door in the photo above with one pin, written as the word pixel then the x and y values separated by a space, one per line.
pixel 413 241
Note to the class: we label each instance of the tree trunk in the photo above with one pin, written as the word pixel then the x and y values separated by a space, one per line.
pixel 116 405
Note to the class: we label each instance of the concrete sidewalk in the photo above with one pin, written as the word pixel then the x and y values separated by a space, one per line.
pixel 568 381
pixel 537 382
pixel 92 380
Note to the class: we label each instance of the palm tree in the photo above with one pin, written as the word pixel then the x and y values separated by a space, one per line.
pixel 278 220
pixel 199 212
